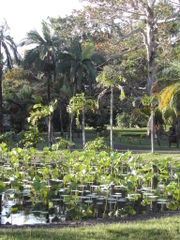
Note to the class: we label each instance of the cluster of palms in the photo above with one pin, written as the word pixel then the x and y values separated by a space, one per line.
pixel 51 57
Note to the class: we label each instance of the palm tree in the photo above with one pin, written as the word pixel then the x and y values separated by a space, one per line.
pixel 79 104
pixel 110 79
pixel 77 64
pixel 42 58
pixel 7 48
pixel 169 99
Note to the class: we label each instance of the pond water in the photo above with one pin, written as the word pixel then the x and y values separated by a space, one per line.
pixel 60 186
pixel 99 199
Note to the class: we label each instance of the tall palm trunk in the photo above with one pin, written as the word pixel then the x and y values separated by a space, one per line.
pixel 71 116
pixel 111 119
pixel 70 130
pixel 1 73
pixel 83 129
pixel 1 112
pixel 60 118
pixel 152 128
pixel 50 132
pixel 151 53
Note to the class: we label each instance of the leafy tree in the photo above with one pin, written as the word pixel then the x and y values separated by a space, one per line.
pixel 134 17
pixel 19 92
pixel 7 48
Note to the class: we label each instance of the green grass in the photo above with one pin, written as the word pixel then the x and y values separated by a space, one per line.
pixel 124 139
pixel 129 138
pixel 159 156
pixel 160 229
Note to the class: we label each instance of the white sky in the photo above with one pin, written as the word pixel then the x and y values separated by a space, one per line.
pixel 25 15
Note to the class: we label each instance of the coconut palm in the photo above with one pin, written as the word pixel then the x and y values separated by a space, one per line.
pixel 8 50
pixel 42 58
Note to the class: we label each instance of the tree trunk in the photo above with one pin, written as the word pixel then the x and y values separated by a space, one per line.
pixel 111 119
pixel 1 110
pixel 70 130
pixel 50 131
pixel 49 88
pixel 60 118
pixel 151 53
pixel 74 86
pixel 1 73
pixel 83 128
pixel 152 129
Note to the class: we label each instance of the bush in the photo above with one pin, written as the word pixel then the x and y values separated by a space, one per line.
pixel 97 145
pixel 122 120
pixel 133 119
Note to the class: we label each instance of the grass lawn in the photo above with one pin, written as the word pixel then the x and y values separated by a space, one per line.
pixel 124 139
pixel 160 229
pixel 159 156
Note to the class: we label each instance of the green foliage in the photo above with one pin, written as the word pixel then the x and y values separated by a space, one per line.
pixel 31 137
pixel 123 120
pixel 169 115
pixel 97 145
pixel 110 77
pixel 87 50
pixel 7 137
pixel 79 103
pixel 40 111
pixel 146 100
pixel 2 187
pixel 175 102
pixel 50 171
pixel 136 118
pixel 158 118
pixel 61 143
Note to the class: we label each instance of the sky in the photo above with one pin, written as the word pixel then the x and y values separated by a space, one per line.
pixel 25 15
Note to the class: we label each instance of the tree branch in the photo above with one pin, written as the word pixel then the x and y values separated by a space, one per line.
pixel 100 96
pixel 173 17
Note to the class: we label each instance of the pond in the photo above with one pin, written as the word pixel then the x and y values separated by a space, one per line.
pixel 56 186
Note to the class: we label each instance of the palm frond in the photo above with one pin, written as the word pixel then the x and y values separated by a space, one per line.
pixel 87 50
pixel 46 32
pixel 8 55
pixel 75 49
pixel 33 37
pixel 13 47
pixel 32 59
pixel 91 70
pixel 168 94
